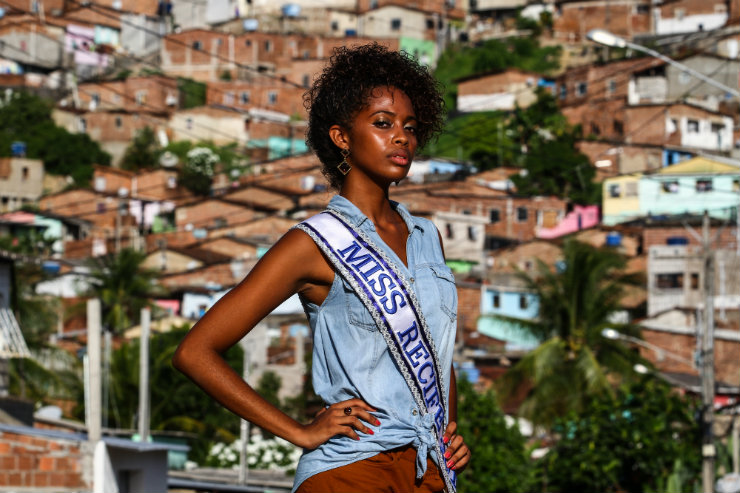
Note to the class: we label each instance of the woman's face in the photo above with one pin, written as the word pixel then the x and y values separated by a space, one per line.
pixel 382 138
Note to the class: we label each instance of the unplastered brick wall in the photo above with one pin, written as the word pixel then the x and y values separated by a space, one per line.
pixel 41 463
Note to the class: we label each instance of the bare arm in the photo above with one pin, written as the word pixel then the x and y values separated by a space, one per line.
pixel 293 265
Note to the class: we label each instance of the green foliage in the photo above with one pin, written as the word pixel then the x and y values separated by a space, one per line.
pixel 143 152
pixel 176 403
pixel 575 304
pixel 499 461
pixel 643 439
pixel 460 61
pixel 193 92
pixel 123 286
pixel 269 386
pixel 225 75
pixel 27 118
pixel 200 166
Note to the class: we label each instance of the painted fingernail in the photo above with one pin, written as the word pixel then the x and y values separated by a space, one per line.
pixel 447 454
pixel 370 431
pixel 453 467
pixel 446 439
pixel 450 463
pixel 377 422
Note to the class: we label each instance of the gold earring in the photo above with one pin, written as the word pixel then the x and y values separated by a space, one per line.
pixel 344 166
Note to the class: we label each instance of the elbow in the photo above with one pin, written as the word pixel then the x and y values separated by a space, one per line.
pixel 181 358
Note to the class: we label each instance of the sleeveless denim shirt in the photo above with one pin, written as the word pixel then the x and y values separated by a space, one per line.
pixel 351 358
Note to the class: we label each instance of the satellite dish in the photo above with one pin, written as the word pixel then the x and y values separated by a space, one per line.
pixel 168 160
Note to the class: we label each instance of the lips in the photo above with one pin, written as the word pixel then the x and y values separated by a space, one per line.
pixel 400 158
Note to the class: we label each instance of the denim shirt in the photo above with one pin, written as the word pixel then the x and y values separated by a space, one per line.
pixel 351 359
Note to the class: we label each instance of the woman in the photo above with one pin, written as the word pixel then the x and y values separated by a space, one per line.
pixel 390 418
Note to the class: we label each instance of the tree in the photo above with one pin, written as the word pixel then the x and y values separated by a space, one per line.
pixel 644 438
pixel 176 404
pixel 27 118
pixel 143 152
pixel 500 462
pixel 576 302
pixel 124 287
pixel 197 173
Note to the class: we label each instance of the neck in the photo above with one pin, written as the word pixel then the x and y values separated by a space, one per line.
pixel 373 203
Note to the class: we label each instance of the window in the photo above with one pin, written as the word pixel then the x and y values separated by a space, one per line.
pixel 395 24
pixel 472 233
pixel 669 281
pixel 220 222
pixel 630 189
pixel 228 98
pixel 618 127
pixel 140 97
pixel 119 122
pixel 100 207
pixel 523 301
pixel 615 191
pixel 197 45
pixel 595 129
pixel 449 232
pixel 244 97
pixel 373 4
pixel 495 216
pixel 522 214
pixel 82 125
pixel 272 97
pixel 581 89
pixel 695 281
pixel 736 185
pixel 703 186
pixel 306 80
pixel 643 8
pixel 430 23
pixel 219 42
pixel 496 300
pixel 248 42
pixel 670 187
pixel 24 173
pixel 171 182
pixel 334 26
pixel 563 91
pixel 268 46
pixel 611 86
pixel 717 128
pixel 679 14
pixel 189 123
pixel 692 126
pixel 95 98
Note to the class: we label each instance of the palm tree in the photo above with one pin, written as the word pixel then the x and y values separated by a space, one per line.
pixel 124 287
pixel 573 361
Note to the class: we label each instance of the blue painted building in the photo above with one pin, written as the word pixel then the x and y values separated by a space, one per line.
pixel 508 299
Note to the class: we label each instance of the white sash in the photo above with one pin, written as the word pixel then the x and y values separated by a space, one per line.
pixel 394 308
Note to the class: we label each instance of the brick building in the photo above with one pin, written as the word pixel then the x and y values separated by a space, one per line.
pixel 574 18
pixel 21 182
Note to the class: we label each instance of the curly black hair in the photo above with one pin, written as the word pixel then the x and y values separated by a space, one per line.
pixel 346 84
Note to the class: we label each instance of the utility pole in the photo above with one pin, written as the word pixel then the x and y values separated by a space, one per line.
pixel 146 317
pixel 93 401
pixel 244 426
pixel 707 364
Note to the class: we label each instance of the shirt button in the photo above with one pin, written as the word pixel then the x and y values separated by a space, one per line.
pixel 414 412
pixel 413 280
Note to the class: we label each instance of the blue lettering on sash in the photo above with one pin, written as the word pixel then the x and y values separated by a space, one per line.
pixel 418 352
pixel 433 399
pixel 351 251
pixel 423 379
pixel 409 335
pixel 366 275
pixel 439 418
pixel 381 282
pixel 394 305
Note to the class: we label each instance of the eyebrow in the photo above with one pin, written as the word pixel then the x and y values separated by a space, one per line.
pixel 386 112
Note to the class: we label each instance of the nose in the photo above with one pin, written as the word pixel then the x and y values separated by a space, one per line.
pixel 400 137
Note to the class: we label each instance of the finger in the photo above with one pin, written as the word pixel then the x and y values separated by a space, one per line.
pixel 358 425
pixel 356 403
pixel 463 462
pixel 457 451
pixel 449 431
pixel 321 411
pixel 366 416
pixel 349 431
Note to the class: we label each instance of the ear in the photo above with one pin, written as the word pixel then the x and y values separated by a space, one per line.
pixel 339 136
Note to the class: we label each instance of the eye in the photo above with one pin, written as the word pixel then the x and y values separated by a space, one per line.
pixel 382 124
pixel 411 128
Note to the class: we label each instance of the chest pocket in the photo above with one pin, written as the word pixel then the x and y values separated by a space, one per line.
pixel 358 315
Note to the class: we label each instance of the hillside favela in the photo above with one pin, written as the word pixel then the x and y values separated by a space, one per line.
pixel 586 189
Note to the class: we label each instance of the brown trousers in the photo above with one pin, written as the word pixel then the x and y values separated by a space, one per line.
pixel 388 472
